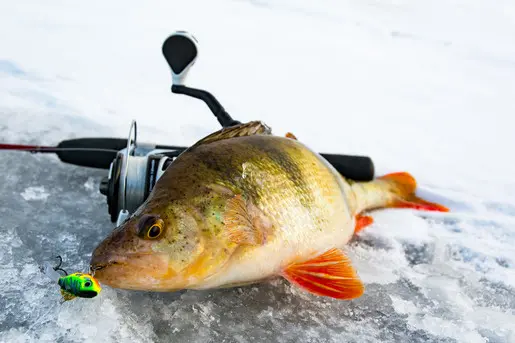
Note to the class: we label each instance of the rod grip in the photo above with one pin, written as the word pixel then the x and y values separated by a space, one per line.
pixel 358 168
pixel 91 158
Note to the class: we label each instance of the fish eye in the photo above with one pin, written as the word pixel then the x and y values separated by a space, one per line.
pixel 87 284
pixel 150 227
pixel 154 230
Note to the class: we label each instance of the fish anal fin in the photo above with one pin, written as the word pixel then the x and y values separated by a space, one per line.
pixel 245 223
pixel 362 221
pixel 247 129
pixel 330 274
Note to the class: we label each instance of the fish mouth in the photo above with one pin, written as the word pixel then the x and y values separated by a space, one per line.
pixel 103 261
pixel 118 259
pixel 93 268
pixel 137 271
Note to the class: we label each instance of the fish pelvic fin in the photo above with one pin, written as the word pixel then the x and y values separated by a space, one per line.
pixel 362 222
pixel 394 190
pixel 244 223
pixel 330 274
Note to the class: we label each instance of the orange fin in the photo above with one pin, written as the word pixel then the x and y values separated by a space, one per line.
pixel 403 180
pixel 291 135
pixel 417 203
pixel 362 222
pixel 330 274
pixel 244 222
pixel 406 186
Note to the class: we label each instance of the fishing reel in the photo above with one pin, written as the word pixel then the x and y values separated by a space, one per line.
pixel 134 168
pixel 133 173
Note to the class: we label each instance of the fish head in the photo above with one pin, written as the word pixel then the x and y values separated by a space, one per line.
pixel 164 247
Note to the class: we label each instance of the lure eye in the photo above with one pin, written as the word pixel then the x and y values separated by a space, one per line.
pixel 154 230
pixel 87 284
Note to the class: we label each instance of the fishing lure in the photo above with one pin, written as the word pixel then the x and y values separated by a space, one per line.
pixel 75 285
pixel 78 285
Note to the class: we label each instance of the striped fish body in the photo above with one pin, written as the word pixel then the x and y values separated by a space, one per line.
pixel 242 205
pixel 305 199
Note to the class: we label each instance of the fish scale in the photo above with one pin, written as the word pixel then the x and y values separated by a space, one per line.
pixel 243 205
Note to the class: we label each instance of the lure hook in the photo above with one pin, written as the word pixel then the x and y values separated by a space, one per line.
pixel 58 267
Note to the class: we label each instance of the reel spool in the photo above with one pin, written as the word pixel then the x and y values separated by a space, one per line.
pixel 133 174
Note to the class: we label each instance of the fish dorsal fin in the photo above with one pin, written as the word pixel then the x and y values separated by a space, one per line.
pixel 248 129
pixel 330 274
pixel 291 135
pixel 244 223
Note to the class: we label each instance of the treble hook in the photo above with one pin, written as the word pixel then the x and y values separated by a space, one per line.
pixel 58 267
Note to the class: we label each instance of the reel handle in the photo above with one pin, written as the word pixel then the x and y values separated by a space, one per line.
pixel 180 52
pixel 223 117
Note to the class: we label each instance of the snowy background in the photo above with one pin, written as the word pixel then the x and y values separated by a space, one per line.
pixel 421 86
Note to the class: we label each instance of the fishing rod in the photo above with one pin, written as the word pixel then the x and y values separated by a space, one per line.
pixel 134 167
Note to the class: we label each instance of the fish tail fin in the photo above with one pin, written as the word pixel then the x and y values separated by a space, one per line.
pixel 394 190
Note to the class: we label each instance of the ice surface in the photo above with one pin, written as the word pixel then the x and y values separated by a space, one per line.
pixel 422 86
pixel 34 193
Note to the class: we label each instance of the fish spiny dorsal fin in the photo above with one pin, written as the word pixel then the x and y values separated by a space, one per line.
pixel 245 224
pixel 248 129
pixel 291 135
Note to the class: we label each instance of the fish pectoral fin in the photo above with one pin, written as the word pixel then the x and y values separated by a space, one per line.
pixel 67 295
pixel 245 223
pixel 362 221
pixel 247 129
pixel 329 274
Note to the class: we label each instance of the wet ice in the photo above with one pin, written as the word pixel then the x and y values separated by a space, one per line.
pixel 434 100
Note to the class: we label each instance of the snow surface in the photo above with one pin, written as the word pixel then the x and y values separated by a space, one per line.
pixel 422 86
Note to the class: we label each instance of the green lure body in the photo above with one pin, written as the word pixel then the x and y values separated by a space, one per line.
pixel 78 285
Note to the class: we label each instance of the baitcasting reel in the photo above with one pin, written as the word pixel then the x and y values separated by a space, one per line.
pixel 134 168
